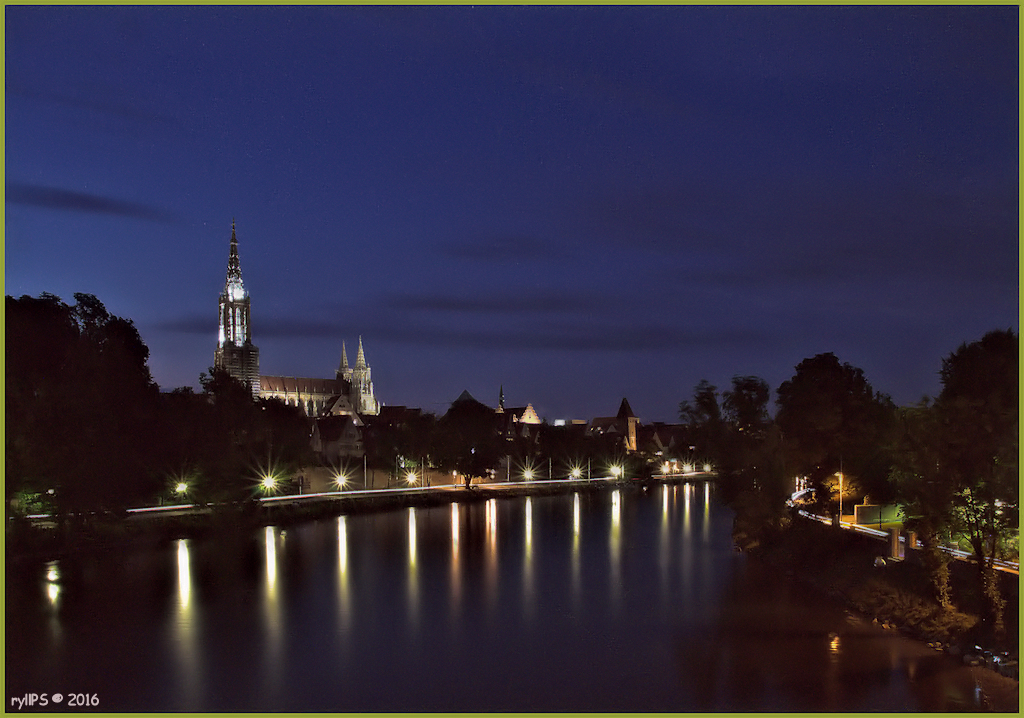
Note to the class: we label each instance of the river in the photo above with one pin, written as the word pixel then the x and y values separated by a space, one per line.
pixel 615 600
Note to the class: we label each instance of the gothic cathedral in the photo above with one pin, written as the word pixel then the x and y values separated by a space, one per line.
pixel 350 392
pixel 235 351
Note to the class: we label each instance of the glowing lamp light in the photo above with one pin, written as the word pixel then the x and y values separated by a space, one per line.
pixel 411 477
pixel 707 467
pixel 576 473
pixel 181 487
pixel 664 468
pixel 528 474
pixel 269 483
pixel 616 471
pixel 341 480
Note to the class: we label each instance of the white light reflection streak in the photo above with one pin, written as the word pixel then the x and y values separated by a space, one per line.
pixel 413 587
pixel 184 579
pixel 52 581
pixel 687 490
pixel 456 578
pixel 491 526
pixel 615 547
pixel 664 552
pixel 576 548
pixel 687 565
pixel 528 558
pixel 706 527
pixel 184 628
pixel 272 664
pixel 344 594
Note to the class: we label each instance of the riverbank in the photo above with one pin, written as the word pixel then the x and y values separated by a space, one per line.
pixel 27 541
pixel 898 596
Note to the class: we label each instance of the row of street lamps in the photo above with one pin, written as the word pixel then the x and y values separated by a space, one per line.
pixel 269 481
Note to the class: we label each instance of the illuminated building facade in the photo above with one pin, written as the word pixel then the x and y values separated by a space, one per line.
pixel 359 379
pixel 235 351
pixel 349 393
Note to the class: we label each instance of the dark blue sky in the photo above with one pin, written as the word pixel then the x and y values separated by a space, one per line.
pixel 579 204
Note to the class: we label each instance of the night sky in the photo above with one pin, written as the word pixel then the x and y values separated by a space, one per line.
pixel 579 204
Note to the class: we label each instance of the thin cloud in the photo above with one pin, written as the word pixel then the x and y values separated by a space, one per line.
pixel 540 303
pixel 126 112
pixel 68 200
pixel 499 248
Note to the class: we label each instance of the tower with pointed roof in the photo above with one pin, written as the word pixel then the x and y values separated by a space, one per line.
pixel 360 380
pixel 235 351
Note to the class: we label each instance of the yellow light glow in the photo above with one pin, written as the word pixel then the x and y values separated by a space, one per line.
pixel 412 537
pixel 616 470
pixel 664 468
pixel 268 483
pixel 181 487
pixel 576 473
pixel 707 467
pixel 341 480
pixel 528 474
pixel 184 577
pixel 271 544
pixel 411 477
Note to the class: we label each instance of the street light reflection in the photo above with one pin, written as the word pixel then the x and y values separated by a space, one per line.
pixel 184 578
pixel 615 541
pixel 271 541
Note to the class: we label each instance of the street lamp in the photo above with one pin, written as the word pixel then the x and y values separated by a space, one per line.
pixel 528 474
pixel 576 472
pixel 341 480
pixel 616 471
pixel 411 477
pixel 840 475
pixel 181 488
pixel 269 483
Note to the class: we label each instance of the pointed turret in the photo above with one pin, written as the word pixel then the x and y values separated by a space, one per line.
pixel 360 358
pixel 501 399
pixel 234 266
pixel 343 367
pixel 625 411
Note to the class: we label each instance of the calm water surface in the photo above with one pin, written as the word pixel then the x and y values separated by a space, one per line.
pixel 620 600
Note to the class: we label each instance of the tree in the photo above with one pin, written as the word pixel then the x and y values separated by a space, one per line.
pixel 832 420
pixel 927 499
pixel 467 439
pixel 703 416
pixel 977 422
pixel 746 404
pixel 81 405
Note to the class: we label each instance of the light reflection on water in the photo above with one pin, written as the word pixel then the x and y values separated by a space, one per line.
pixel 184 626
pixel 620 600
pixel 344 589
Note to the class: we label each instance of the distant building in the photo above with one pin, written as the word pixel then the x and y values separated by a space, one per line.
pixel 235 353
pixel 359 379
pixel 622 426
pixel 515 421
pixel 349 393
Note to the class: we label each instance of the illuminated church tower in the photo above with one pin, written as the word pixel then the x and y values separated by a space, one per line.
pixel 235 351
pixel 359 379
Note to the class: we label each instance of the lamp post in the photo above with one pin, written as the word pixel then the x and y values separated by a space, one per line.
pixel 840 498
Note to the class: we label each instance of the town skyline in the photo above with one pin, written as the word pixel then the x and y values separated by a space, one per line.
pixel 575 204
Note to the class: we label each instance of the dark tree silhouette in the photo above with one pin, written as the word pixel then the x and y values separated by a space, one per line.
pixel 831 420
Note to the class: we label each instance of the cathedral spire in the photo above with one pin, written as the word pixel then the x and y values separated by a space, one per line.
pixel 344 357
pixel 360 358
pixel 501 399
